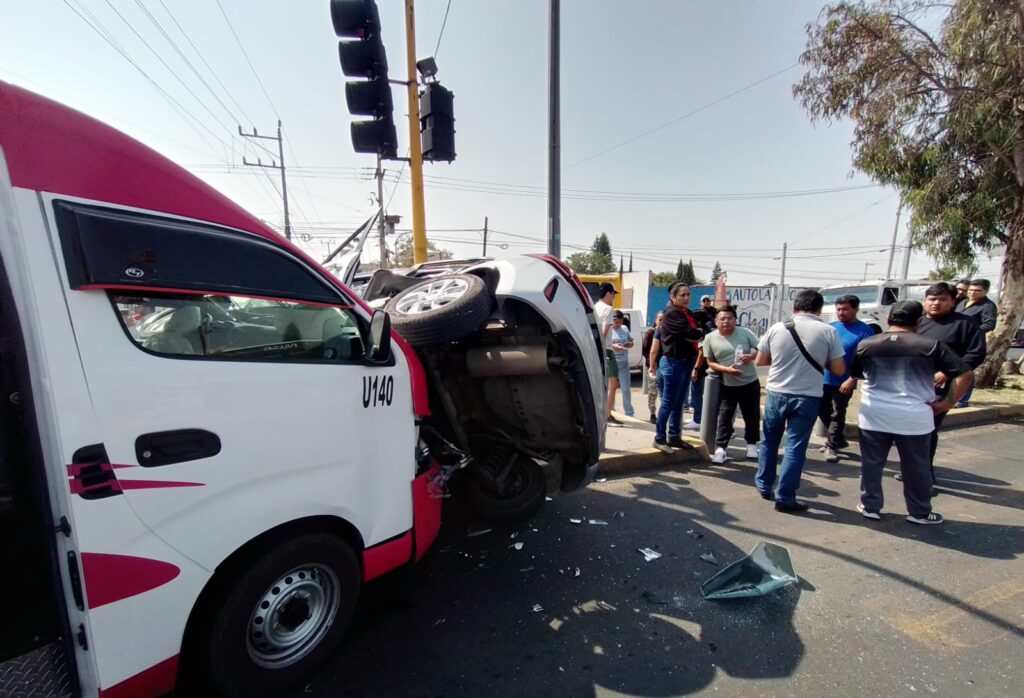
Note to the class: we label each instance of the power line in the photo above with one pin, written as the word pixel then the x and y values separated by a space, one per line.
pixel 444 23
pixel 246 55
pixel 105 34
pixel 684 116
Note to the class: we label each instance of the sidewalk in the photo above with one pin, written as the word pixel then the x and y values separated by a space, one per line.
pixel 628 448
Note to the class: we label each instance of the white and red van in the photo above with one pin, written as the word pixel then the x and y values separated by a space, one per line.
pixel 209 443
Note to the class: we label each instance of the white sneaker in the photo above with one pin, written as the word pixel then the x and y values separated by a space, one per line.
pixel 752 451
pixel 692 426
pixel 719 456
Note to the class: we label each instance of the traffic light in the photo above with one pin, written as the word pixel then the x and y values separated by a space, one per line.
pixel 437 122
pixel 366 58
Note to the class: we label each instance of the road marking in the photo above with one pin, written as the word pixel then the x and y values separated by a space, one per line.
pixel 957 628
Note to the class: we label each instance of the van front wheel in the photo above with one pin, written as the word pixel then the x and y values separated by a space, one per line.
pixel 284 615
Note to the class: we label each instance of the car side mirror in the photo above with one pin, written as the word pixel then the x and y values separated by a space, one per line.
pixel 378 350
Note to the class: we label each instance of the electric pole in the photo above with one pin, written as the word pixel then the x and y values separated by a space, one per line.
pixel 273 166
pixel 782 283
pixel 554 131
pixel 485 236
pixel 382 248
pixel 906 256
pixel 892 248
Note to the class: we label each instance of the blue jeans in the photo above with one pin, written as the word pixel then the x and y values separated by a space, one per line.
pixel 794 415
pixel 966 399
pixel 622 366
pixel 675 377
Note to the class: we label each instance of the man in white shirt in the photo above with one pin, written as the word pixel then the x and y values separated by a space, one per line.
pixel 603 312
pixel 798 352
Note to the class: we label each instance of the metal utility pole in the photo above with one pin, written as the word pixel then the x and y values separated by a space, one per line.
pixel 782 283
pixel 906 257
pixel 485 236
pixel 382 248
pixel 554 136
pixel 892 248
pixel 273 166
pixel 419 224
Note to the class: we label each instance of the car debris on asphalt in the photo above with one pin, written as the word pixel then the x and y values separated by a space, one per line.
pixel 767 568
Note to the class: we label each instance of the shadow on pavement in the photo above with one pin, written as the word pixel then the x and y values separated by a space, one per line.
pixel 463 623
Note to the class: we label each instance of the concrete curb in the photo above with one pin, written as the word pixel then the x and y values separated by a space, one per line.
pixel 647 459
pixel 967 416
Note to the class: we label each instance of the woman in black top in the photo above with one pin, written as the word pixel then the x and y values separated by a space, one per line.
pixel 677 342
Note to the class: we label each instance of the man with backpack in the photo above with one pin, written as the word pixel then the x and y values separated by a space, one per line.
pixel 798 352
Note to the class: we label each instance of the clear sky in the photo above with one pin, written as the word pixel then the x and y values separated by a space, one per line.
pixel 680 135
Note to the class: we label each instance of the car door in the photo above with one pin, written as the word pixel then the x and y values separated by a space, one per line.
pixel 223 424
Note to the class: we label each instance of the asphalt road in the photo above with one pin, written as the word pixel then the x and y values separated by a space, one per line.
pixel 883 608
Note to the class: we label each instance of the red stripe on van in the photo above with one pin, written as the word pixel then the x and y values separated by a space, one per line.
pixel 155 484
pixel 387 556
pixel 154 681
pixel 110 578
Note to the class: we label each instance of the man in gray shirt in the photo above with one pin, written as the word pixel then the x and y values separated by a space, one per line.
pixel 797 351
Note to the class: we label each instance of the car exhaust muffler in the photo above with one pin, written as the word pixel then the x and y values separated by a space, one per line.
pixel 509 360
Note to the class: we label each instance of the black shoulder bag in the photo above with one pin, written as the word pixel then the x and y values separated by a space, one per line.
pixel 791 326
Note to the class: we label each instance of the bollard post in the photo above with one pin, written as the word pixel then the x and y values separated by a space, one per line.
pixel 709 421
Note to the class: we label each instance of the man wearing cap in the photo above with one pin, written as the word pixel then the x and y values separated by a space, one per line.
pixel 898 406
pixel 603 312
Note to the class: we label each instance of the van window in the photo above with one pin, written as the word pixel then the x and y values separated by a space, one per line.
pixel 239 328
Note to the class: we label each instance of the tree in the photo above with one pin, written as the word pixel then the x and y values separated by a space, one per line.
pixel 715 273
pixel 598 260
pixel 951 271
pixel 680 272
pixel 939 115
pixel 403 252
pixel 689 277
pixel 663 278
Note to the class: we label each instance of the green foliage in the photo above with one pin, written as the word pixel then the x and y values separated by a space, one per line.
pixel 689 277
pixel 663 278
pixel 715 273
pixel 598 260
pixel 951 271
pixel 403 252
pixel 934 112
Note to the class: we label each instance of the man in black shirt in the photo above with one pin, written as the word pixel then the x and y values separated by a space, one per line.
pixel 960 332
pixel 898 406
pixel 979 305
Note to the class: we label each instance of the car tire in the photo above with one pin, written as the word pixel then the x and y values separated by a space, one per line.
pixel 308 586
pixel 519 502
pixel 441 309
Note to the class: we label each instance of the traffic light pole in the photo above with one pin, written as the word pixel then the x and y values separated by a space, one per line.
pixel 419 226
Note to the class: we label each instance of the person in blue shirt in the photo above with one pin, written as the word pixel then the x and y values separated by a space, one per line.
pixel 839 389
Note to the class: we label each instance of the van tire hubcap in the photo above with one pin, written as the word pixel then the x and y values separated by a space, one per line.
pixel 292 615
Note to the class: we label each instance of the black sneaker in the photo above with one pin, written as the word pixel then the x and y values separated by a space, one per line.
pixel 929 520
pixel 613 420
pixel 677 442
pixel 898 476
pixel 654 419
pixel 791 507
pixel 767 495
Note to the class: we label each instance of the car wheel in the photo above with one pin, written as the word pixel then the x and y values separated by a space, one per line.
pixel 507 488
pixel 441 309
pixel 284 614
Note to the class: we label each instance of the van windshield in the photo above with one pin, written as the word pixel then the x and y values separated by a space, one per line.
pixel 866 294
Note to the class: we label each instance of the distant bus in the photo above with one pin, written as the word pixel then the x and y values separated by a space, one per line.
pixel 592 282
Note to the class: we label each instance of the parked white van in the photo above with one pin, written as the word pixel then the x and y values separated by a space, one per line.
pixel 209 443
pixel 875 298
